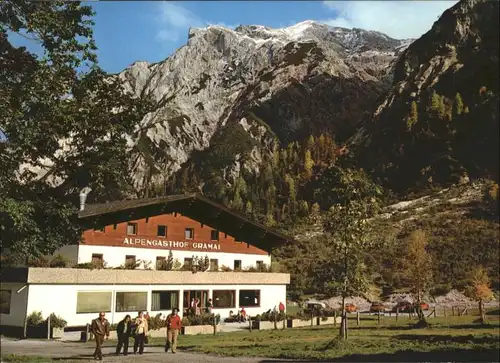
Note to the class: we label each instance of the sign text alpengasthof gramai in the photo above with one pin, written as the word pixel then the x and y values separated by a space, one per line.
pixel 171 244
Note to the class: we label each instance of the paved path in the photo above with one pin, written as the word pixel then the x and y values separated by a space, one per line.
pixel 82 352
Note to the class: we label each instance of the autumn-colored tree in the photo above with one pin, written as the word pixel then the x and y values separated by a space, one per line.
pixel 418 268
pixel 479 290
pixel 413 118
pixel 458 105
pixel 308 165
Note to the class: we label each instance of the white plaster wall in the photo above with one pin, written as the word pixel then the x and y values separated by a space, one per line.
pixel 61 299
pixel 115 256
pixel 18 305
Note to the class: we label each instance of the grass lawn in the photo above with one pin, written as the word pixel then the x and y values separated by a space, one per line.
pixel 447 339
pixel 452 338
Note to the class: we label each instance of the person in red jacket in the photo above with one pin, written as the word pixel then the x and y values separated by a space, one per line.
pixel 282 307
pixel 174 325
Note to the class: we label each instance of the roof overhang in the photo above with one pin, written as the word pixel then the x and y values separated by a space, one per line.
pixel 193 206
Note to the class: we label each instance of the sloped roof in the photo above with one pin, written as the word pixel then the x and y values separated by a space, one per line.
pixel 193 206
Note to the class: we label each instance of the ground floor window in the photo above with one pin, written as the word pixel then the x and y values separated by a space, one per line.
pixel 93 301
pixel 5 297
pixel 224 298
pixel 164 300
pixel 190 298
pixel 131 301
pixel 249 298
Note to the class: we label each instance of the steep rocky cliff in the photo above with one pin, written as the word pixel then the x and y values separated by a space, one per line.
pixel 439 122
pixel 260 83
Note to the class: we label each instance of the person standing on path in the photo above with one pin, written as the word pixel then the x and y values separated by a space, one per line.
pixel 141 330
pixel 123 331
pixel 100 329
pixel 174 325
pixel 210 306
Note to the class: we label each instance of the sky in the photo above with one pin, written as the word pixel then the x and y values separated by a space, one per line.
pixel 131 31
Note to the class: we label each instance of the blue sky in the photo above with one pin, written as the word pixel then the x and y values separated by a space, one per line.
pixel 127 31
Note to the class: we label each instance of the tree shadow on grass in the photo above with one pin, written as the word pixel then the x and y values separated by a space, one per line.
pixel 444 355
pixel 448 338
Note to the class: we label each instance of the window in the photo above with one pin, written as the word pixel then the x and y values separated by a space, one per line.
pixel 97 260
pixel 164 300
pixel 191 295
pixel 237 264
pixel 93 302
pixel 132 228
pixel 161 263
pixel 189 233
pixel 131 301
pixel 129 261
pixel 249 298
pixel 214 235
pixel 260 265
pixel 214 264
pixel 188 262
pixel 224 298
pixel 5 297
pixel 162 231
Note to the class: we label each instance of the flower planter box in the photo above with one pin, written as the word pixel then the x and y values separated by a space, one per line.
pixel 57 333
pixel 329 320
pixel 296 323
pixel 199 329
pixel 265 325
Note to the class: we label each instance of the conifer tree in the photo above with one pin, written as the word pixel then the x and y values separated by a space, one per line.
pixel 413 118
pixel 308 165
pixel 458 105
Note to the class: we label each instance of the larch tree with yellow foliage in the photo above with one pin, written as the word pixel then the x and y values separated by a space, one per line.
pixel 480 290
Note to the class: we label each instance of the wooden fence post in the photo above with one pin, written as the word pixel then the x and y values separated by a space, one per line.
pixel 434 312
pixel 397 313
pixel 335 318
pixel 215 324
pixel 357 318
pixel 312 317
pixel 378 317
pixel 275 322
pixel 250 323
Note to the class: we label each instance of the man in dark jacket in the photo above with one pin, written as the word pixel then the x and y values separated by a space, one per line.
pixel 100 329
pixel 123 331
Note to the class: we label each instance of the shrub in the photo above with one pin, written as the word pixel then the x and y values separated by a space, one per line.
pixel 204 319
pixel 86 265
pixel 58 261
pixel 57 322
pixel 35 318
pixel 157 322
pixel 41 261
pixel 225 268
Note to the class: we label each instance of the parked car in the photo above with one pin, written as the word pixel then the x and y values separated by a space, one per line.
pixel 406 307
pixel 315 304
pixel 350 308
pixel 403 307
pixel 423 306
pixel 377 307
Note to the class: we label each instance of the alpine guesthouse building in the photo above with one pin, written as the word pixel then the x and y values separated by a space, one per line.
pixel 131 246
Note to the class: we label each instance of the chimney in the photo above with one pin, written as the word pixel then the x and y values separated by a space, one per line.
pixel 83 197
